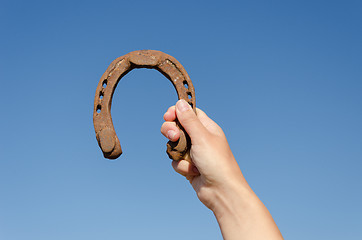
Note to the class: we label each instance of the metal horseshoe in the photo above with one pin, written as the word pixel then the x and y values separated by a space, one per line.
pixel 102 119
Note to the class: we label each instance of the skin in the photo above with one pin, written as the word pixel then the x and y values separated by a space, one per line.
pixel 216 177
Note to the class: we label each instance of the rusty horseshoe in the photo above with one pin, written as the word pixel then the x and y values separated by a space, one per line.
pixel 102 119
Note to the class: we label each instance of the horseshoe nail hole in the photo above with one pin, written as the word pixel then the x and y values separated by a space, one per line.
pixel 104 84
pixel 101 95
pixel 186 84
pixel 189 95
pixel 99 107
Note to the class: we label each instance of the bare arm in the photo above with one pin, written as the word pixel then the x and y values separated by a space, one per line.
pixel 216 177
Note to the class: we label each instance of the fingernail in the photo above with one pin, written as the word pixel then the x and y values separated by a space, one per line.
pixel 171 134
pixel 183 106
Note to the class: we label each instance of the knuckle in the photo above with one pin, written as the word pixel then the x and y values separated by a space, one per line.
pixel 189 117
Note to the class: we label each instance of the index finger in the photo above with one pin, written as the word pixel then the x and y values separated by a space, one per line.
pixel 170 115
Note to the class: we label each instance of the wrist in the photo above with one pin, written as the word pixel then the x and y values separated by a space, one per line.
pixel 233 199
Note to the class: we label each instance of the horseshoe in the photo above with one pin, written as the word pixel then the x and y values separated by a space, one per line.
pixel 102 119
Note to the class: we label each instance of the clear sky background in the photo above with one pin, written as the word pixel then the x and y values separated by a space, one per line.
pixel 282 78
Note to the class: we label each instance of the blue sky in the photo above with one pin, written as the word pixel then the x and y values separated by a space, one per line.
pixel 282 78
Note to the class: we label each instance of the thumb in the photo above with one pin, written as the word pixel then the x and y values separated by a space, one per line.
pixel 190 122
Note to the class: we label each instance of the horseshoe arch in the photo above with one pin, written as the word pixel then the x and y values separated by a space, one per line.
pixel 102 119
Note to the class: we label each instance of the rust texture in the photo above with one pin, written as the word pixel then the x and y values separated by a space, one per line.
pixel 102 119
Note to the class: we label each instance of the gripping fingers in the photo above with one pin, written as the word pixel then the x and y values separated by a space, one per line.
pixel 170 115
pixel 171 131
pixel 185 168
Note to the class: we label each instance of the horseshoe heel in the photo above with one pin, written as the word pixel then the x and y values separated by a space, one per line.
pixel 102 119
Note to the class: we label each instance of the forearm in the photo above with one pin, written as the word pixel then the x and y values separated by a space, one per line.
pixel 241 215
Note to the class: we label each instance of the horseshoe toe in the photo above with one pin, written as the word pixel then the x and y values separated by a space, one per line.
pixel 144 57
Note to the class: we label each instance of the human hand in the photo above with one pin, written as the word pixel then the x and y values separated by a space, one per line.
pixel 213 167
pixel 217 178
